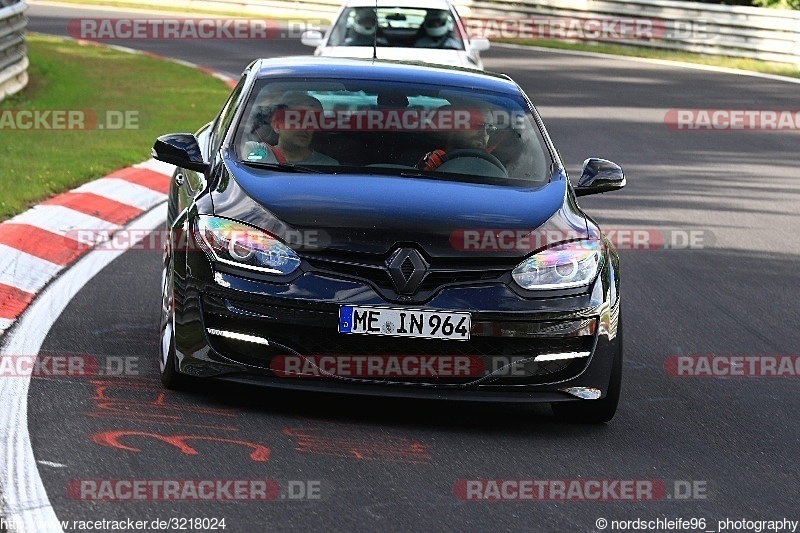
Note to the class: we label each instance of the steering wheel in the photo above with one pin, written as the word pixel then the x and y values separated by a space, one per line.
pixel 475 152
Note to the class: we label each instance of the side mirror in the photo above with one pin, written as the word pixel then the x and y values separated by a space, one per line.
pixel 180 149
pixel 479 44
pixel 599 175
pixel 311 38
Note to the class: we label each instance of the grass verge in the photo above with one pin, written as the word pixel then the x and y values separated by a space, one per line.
pixel 765 67
pixel 193 11
pixel 157 97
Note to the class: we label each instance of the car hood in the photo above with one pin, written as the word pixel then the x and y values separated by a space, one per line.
pixel 457 58
pixel 374 213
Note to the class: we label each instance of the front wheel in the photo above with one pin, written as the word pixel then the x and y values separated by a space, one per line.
pixel 595 411
pixel 170 377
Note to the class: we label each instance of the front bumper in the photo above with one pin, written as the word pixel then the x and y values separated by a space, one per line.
pixel 233 328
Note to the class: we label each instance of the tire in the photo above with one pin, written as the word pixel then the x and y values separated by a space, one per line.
pixel 170 377
pixel 595 411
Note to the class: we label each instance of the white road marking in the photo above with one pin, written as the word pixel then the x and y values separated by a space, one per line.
pixel 23 270
pixel 61 220
pixel 23 498
pixel 157 166
pixel 51 464
pixel 124 192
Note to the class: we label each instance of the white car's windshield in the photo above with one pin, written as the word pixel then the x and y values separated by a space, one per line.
pixel 397 27
pixel 367 126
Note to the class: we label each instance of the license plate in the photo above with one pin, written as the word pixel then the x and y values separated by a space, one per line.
pixel 404 322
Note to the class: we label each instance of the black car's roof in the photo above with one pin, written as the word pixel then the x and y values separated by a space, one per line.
pixel 384 70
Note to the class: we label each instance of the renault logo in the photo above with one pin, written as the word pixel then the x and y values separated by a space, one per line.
pixel 407 268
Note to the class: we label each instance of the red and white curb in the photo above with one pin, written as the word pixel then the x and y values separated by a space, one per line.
pixel 42 268
pixel 24 502
pixel 38 244
pixel 35 246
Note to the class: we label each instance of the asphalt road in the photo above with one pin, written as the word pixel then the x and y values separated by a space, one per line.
pixel 393 465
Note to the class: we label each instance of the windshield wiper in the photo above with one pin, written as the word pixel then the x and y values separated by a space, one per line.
pixel 284 167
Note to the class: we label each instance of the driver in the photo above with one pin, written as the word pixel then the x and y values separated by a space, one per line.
pixel 438 27
pixel 294 144
pixel 365 26
pixel 474 138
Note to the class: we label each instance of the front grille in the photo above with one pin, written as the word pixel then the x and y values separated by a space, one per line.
pixel 437 279
pixel 378 274
pixel 441 272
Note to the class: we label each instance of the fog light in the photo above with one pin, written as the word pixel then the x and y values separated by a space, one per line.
pixel 561 356
pixel 584 393
pixel 238 336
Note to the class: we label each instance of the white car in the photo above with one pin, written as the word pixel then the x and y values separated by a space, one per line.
pixel 409 30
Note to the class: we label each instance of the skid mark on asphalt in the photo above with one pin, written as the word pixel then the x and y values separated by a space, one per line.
pixel 113 439
pixel 337 441
pixel 144 400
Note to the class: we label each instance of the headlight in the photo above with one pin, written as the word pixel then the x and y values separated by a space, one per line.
pixel 244 246
pixel 571 264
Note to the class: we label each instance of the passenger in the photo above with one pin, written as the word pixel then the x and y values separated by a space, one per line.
pixel 365 26
pixel 294 144
pixel 438 27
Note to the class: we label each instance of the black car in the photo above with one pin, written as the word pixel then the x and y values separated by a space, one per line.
pixel 393 229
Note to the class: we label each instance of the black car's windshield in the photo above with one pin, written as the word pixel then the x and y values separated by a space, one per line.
pixel 405 129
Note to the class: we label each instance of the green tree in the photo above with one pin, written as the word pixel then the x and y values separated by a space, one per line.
pixel 778 4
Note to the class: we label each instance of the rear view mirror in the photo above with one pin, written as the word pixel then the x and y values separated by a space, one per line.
pixel 181 150
pixel 599 175
pixel 479 44
pixel 311 38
